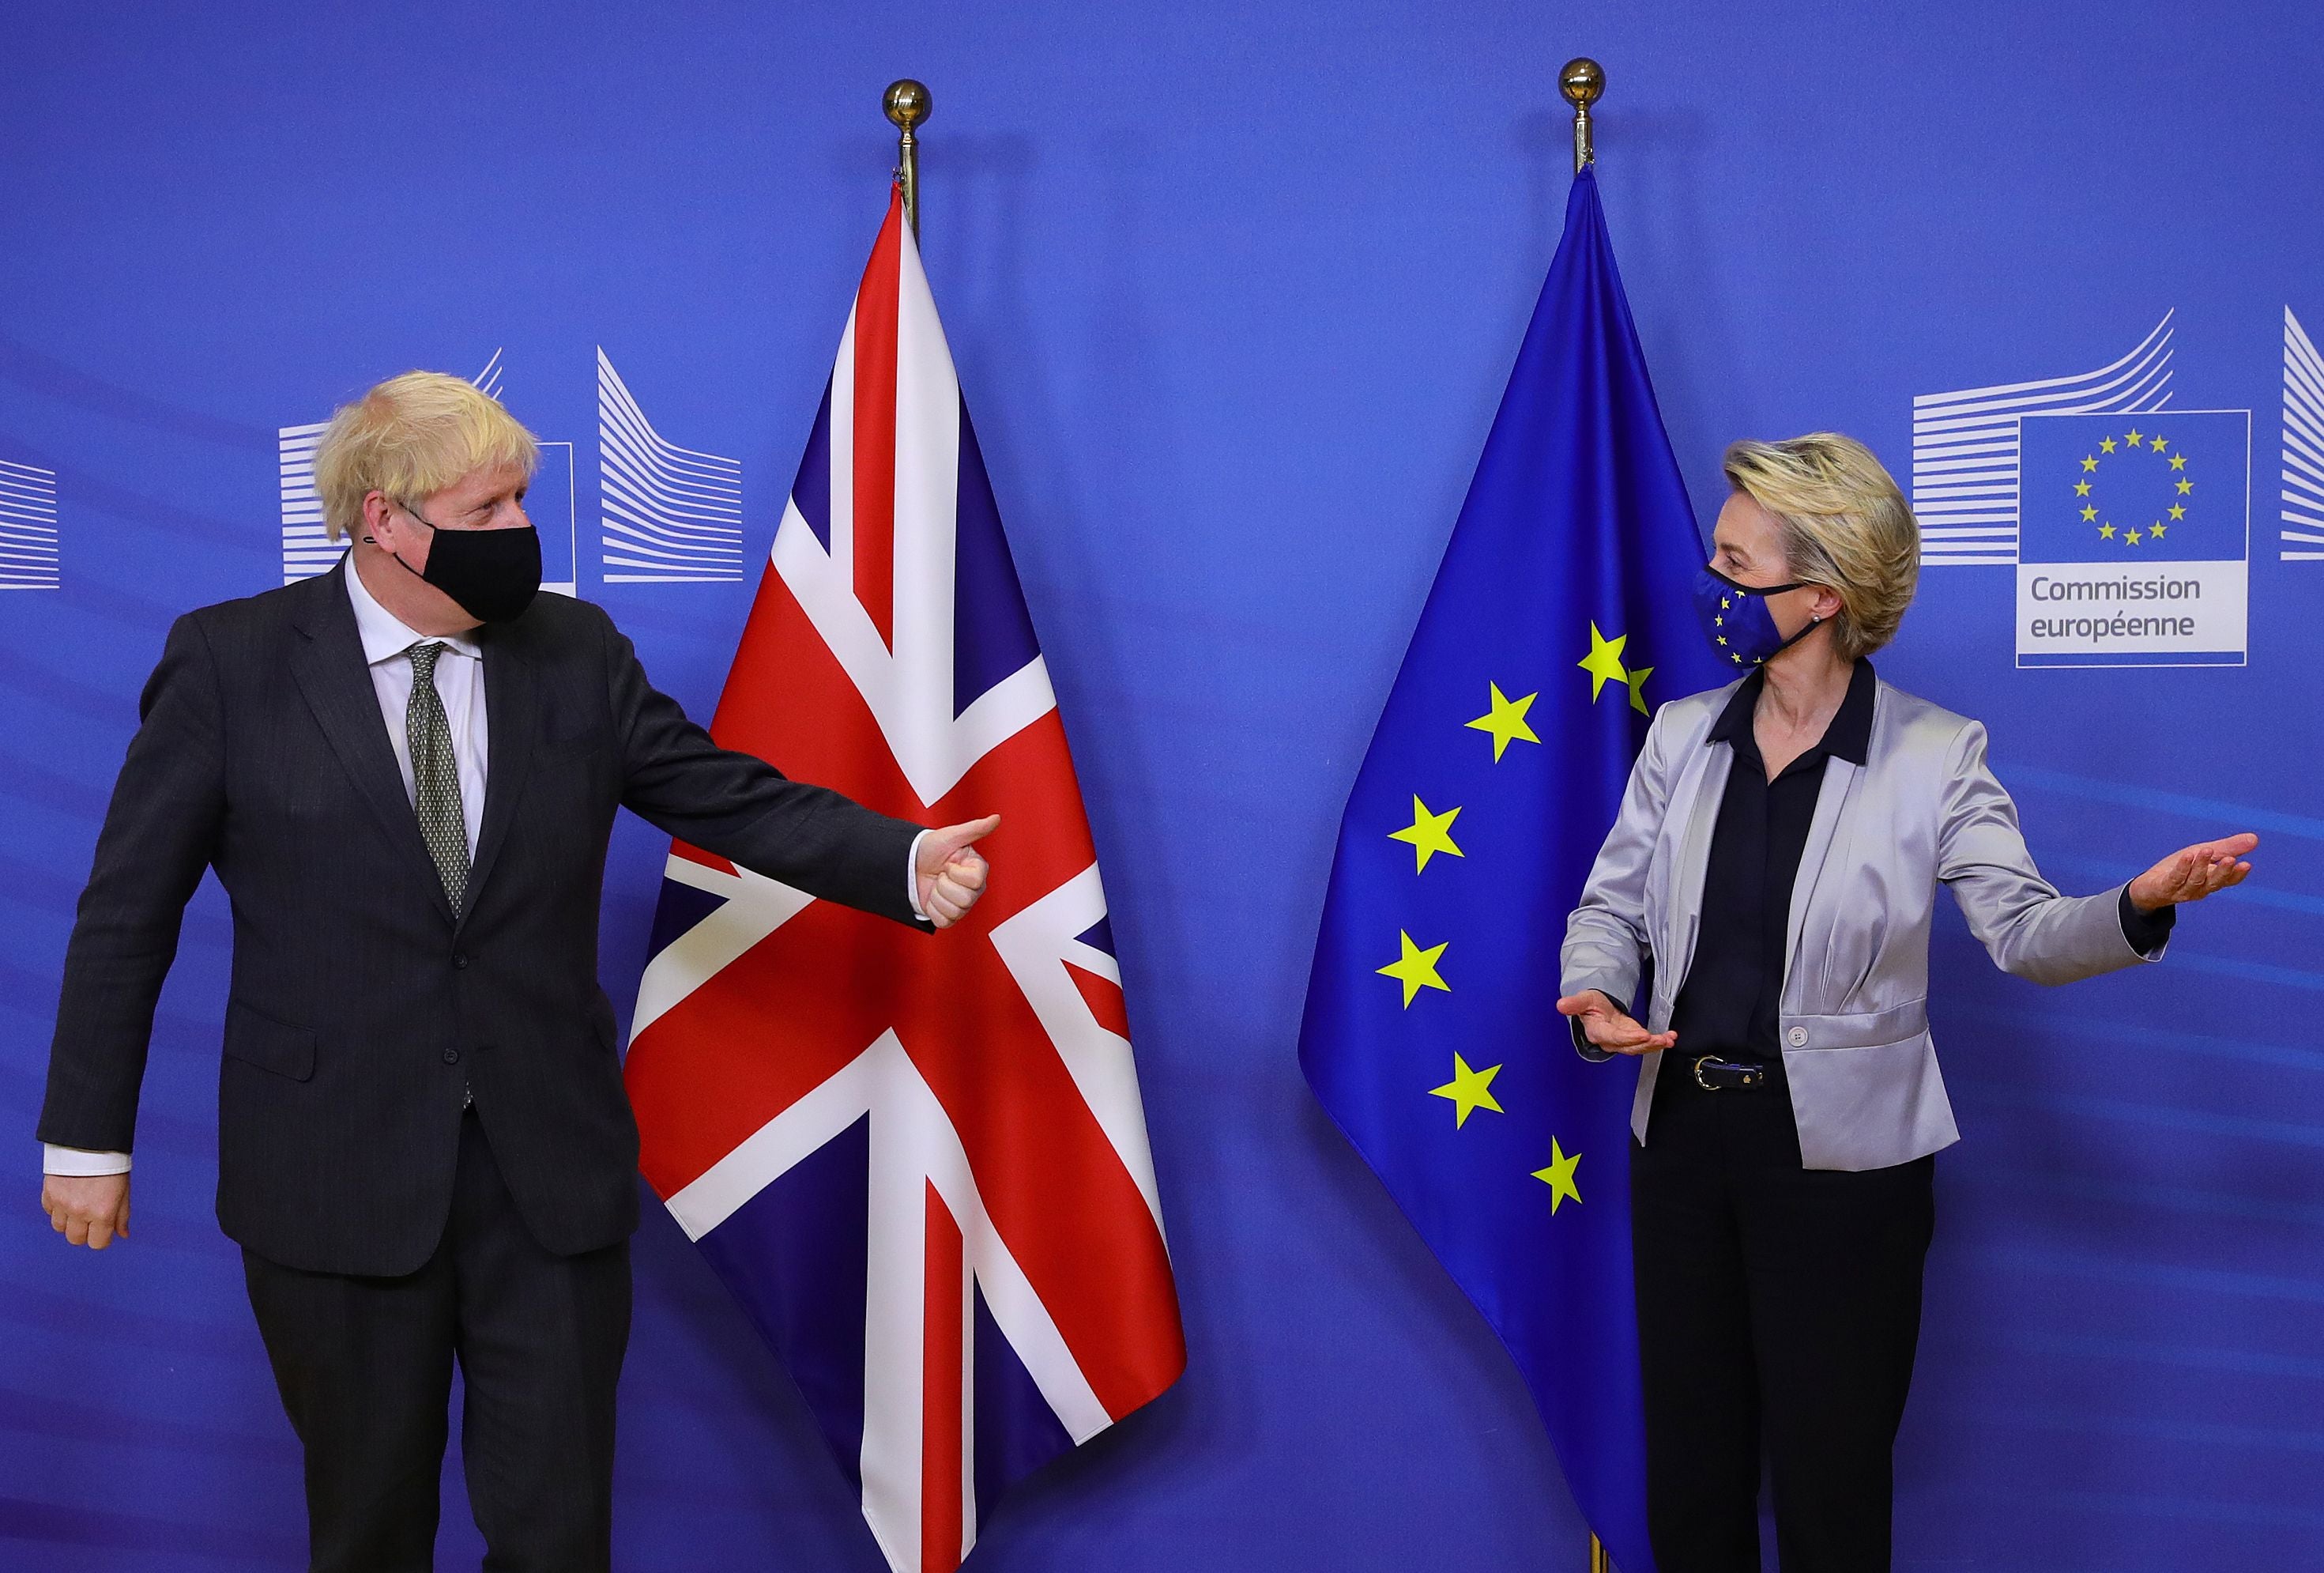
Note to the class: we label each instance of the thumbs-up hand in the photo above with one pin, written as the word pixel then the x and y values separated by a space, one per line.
pixel 950 870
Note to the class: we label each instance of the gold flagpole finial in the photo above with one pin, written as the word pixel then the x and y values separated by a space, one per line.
pixel 1581 81
pixel 906 103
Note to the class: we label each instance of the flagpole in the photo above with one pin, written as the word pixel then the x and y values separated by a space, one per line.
pixel 908 103
pixel 1580 82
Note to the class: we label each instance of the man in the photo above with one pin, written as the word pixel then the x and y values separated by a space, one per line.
pixel 405 774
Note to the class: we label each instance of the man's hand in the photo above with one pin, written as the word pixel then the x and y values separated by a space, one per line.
pixel 87 1209
pixel 2193 873
pixel 1606 1027
pixel 951 874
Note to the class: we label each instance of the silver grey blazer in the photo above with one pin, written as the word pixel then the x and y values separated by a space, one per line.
pixel 1924 810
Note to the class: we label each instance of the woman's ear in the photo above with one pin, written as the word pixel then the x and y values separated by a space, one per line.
pixel 1828 604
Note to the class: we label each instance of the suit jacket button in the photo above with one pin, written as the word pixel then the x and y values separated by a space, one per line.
pixel 451 1057
pixel 460 959
pixel 1797 1037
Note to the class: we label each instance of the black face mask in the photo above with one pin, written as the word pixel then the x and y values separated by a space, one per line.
pixel 492 575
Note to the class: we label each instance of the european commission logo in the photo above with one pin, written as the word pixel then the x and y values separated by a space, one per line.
pixel 2127 520
pixel 2134 545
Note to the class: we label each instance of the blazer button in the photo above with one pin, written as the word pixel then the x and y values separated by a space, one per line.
pixel 451 1057
pixel 1797 1037
pixel 460 960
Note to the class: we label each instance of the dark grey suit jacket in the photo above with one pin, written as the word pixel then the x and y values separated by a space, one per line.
pixel 360 1010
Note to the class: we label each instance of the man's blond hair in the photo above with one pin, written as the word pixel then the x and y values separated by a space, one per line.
pixel 410 436
pixel 1845 525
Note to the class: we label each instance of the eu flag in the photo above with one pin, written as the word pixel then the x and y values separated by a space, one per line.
pixel 2170 487
pixel 1561 616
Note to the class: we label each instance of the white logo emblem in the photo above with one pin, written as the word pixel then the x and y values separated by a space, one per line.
pixel 28 527
pixel 2303 446
pixel 1965 455
pixel 670 514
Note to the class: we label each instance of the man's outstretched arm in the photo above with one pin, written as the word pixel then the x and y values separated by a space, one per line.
pixel 808 836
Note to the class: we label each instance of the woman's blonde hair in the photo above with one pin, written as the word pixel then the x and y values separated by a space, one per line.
pixel 409 437
pixel 1845 524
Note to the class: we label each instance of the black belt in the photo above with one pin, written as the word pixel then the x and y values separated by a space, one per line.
pixel 1713 1074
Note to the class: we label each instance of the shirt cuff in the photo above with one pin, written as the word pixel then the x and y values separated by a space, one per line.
pixel 80 1163
pixel 2147 932
pixel 912 875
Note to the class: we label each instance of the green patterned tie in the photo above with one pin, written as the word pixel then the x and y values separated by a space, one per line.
pixel 435 775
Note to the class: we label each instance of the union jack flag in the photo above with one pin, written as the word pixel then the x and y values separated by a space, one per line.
pixel 919 1163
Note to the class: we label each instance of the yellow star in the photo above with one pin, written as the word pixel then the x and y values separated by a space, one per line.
pixel 2185 485
pixel 2178 461
pixel 2106 445
pixel 2082 488
pixel 1469 1091
pixel 2089 512
pixel 2158 445
pixel 1638 677
pixel 2132 536
pixel 2157 530
pixel 1559 1176
pixel 1416 968
pixel 2088 462
pixel 1428 834
pixel 2133 439
pixel 1604 661
pixel 2105 533
pixel 1506 720
pixel 2178 509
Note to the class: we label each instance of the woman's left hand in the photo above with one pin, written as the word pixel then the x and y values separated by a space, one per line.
pixel 2193 873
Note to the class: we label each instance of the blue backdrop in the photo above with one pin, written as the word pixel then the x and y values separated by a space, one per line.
pixel 1233 291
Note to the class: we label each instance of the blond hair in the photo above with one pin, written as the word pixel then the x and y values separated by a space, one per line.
pixel 1845 525
pixel 410 436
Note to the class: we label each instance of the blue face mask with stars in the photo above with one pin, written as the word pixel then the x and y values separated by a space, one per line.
pixel 1736 620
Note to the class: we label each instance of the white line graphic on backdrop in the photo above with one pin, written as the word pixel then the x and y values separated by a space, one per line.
pixel 1965 447
pixel 308 551
pixel 672 515
pixel 305 551
pixel 2303 446
pixel 28 527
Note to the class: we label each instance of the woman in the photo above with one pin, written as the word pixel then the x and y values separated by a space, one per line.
pixel 1776 860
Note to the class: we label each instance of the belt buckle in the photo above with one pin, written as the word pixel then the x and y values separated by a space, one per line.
pixel 1748 1077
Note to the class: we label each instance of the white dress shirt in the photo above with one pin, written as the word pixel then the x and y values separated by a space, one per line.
pixel 460 685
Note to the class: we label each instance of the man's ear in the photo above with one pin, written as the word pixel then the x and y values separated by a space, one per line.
pixel 376 510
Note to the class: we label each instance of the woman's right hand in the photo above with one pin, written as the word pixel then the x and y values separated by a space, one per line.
pixel 1608 1027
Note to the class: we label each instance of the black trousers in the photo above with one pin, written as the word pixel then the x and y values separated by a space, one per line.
pixel 1778 1302
pixel 364 1367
